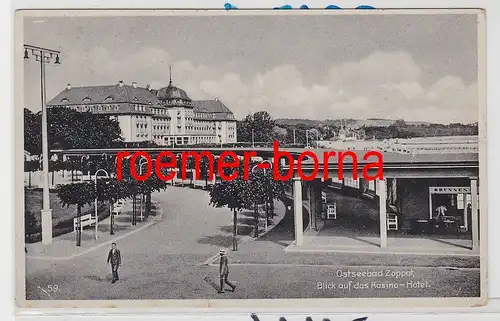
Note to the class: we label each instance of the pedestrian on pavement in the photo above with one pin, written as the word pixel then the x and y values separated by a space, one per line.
pixel 114 257
pixel 224 272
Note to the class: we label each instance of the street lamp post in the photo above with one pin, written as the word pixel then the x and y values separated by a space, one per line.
pixel 87 157
pixel 44 56
pixel 96 216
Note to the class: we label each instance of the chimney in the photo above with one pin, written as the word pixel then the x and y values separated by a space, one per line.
pixel 148 87
pixel 216 98
pixel 134 84
pixel 120 83
pixel 68 86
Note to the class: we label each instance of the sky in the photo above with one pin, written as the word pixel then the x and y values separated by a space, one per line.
pixel 411 67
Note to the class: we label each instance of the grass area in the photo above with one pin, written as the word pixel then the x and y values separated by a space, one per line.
pixel 33 202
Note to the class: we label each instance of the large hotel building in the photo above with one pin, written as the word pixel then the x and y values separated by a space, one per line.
pixel 166 116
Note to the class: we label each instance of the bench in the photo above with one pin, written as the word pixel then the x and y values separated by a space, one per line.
pixel 86 220
pixel 392 222
pixel 331 211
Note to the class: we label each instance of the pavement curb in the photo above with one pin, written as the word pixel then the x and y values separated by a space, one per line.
pixel 299 249
pixel 64 258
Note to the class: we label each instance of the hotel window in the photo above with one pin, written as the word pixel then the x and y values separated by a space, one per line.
pixel 86 99
pixel 109 98
pixel 64 100
pixel 371 185
pixel 116 107
pixel 100 108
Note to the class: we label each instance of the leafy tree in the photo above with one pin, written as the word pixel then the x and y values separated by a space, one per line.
pixel 30 225
pixel 29 167
pixel 262 125
pixel 32 132
pixel 111 190
pixel 77 194
pixel 263 189
pixel 72 129
pixel 235 195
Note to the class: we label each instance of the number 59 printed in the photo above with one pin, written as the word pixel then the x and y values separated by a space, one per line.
pixel 52 287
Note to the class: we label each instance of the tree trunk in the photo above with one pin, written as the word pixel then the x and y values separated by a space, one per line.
pixel 133 209
pixel 148 204
pixel 256 220
pixel 112 219
pixel 235 230
pixel 271 201
pixel 78 225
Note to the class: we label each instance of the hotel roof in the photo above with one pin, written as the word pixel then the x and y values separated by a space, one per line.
pixel 120 94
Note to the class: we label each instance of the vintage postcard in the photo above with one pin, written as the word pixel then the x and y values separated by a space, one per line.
pixel 250 159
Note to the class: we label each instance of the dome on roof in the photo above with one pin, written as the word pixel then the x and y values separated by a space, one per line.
pixel 171 92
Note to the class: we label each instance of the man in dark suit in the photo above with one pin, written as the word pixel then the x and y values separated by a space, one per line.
pixel 224 272
pixel 115 259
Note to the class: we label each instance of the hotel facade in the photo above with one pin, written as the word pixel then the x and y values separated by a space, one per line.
pixel 167 116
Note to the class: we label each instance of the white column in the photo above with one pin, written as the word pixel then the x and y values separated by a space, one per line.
pixel 475 214
pixel 466 216
pixel 297 210
pixel 382 194
pixel 430 204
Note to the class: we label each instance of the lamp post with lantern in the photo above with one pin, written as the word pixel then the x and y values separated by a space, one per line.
pixel 44 56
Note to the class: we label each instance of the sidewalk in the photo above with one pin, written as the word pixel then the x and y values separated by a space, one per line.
pixel 64 246
pixel 247 237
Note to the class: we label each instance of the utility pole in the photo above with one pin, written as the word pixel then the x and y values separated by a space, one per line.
pixel 44 56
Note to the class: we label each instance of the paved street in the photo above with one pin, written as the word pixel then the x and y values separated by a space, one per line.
pixel 164 261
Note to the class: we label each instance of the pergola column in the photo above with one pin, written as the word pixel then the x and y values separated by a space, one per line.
pixel 297 211
pixel 466 215
pixel 475 214
pixel 319 207
pixel 311 191
pixel 382 196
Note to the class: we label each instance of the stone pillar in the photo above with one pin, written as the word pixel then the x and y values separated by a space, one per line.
pixel 475 214
pixel 297 211
pixel 382 194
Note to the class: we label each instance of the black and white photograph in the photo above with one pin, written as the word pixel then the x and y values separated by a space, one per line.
pixel 246 158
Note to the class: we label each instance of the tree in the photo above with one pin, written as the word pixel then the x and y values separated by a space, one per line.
pixel 30 225
pixel 111 190
pixel 235 195
pixel 260 125
pixel 72 129
pixel 263 189
pixel 32 132
pixel 29 167
pixel 77 194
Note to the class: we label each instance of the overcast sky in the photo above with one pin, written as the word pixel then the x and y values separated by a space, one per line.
pixel 414 67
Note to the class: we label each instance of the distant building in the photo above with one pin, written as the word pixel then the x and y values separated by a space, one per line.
pixel 347 133
pixel 166 116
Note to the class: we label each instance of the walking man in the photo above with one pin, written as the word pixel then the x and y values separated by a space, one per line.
pixel 115 259
pixel 224 272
